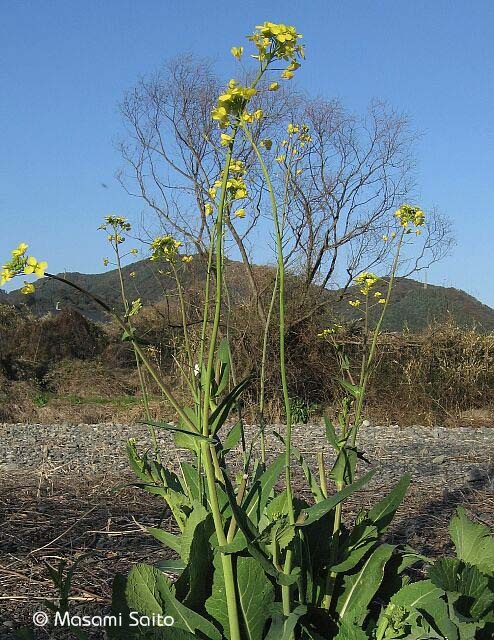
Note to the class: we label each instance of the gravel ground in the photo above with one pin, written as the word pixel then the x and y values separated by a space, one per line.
pixel 58 498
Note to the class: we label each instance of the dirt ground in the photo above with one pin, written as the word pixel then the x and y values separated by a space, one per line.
pixel 60 509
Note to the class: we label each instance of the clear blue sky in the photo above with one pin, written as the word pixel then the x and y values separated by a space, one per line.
pixel 65 65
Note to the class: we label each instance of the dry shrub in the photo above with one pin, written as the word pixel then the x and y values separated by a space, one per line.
pixel 88 379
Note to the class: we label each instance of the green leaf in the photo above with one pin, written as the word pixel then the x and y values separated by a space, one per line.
pixel 221 413
pixel 255 596
pixel 473 542
pixel 331 436
pixel 260 492
pixel 255 547
pixel 343 470
pixel 190 480
pixel 168 539
pixel 349 631
pixel 224 365
pixel 149 592
pixel 311 480
pixel 424 596
pixel 352 549
pixel 282 628
pixel 320 509
pixel 233 438
pixel 359 588
pixel 216 603
pixel 453 575
pixel 354 390
pixel 170 565
pixel 120 609
pixel 171 427
pixel 194 585
pixel 416 594
pixel 444 573
pixel 383 512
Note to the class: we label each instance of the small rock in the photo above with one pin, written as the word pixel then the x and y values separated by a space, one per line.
pixel 439 460
pixel 475 474
pixel 10 466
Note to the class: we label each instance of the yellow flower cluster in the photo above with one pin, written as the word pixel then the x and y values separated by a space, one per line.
pixel 165 248
pixel 409 215
pixel 330 331
pixel 231 105
pixel 278 42
pixel 22 263
pixel 366 282
pixel 117 224
pixel 236 189
pixel 273 42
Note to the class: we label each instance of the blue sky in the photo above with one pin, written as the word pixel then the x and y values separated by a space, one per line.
pixel 65 65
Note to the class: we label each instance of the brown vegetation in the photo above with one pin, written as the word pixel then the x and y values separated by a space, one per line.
pixel 65 367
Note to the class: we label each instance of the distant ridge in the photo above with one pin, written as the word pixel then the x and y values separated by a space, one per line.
pixel 413 305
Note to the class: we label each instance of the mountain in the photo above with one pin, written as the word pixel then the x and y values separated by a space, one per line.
pixel 413 305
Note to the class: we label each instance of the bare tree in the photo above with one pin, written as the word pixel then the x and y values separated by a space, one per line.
pixel 354 173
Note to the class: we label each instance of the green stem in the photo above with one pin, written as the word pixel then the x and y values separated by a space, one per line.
pixel 263 369
pixel 286 591
pixel 367 359
pixel 142 383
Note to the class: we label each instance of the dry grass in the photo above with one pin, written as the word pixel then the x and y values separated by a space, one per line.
pixel 444 375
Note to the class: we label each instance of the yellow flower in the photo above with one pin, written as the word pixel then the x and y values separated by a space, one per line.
pixel 287 75
pixel 237 52
pixel 165 247
pixel 186 258
pixel 135 307
pixel 247 117
pixel 212 193
pixel 385 238
pixel 225 139
pixel 208 209
pixel 134 252
pixel 240 213
pixel 117 222
pixel 378 294
pixel 27 288
pixel 382 301
pixel 7 275
pixel 280 158
pixel 274 86
pixel 292 128
pixel 240 194
pixel 258 114
pixel 33 266
pixel 105 261
pixel 299 171
pixel 20 251
pixel 366 281
pixel 408 214
pixel 132 274
pixel 354 303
